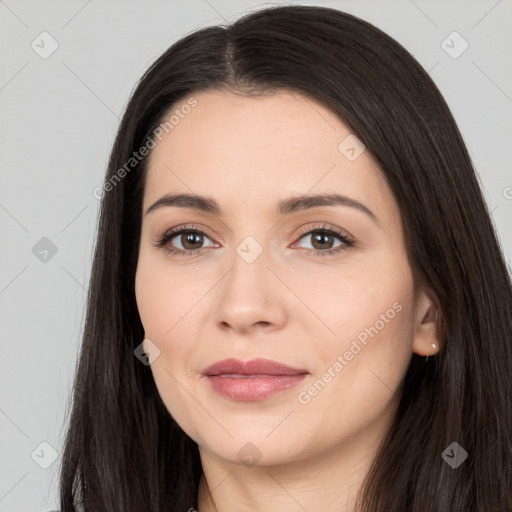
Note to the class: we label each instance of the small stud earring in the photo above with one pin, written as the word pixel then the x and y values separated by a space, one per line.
pixel 434 347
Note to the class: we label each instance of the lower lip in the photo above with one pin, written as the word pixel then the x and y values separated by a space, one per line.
pixel 254 388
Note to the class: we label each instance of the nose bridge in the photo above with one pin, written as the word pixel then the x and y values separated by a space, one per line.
pixel 247 297
pixel 250 249
pixel 248 266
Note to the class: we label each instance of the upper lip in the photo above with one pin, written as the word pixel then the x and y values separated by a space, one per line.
pixel 251 367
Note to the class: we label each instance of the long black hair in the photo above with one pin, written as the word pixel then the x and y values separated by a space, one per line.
pixel 124 452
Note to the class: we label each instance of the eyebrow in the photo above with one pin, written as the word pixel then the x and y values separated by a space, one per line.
pixel 284 207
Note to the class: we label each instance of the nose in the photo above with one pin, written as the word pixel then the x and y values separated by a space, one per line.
pixel 251 298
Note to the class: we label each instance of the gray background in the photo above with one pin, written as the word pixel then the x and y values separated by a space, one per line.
pixel 58 118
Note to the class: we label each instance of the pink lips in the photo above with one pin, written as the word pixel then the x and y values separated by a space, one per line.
pixel 256 379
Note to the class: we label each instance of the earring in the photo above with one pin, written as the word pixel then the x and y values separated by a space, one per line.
pixel 434 347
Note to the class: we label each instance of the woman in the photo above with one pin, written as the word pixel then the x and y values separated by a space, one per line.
pixel 226 365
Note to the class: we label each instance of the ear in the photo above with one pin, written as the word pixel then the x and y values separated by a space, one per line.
pixel 426 326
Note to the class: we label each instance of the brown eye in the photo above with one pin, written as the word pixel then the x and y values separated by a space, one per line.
pixel 325 239
pixel 322 240
pixel 186 241
pixel 191 240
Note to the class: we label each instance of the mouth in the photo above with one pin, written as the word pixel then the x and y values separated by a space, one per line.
pixel 252 380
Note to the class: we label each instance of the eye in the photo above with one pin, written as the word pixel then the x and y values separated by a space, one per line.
pixel 187 241
pixel 322 238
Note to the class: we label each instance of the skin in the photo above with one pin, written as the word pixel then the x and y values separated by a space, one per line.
pixel 288 305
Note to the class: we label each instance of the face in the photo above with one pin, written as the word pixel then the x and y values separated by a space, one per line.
pixel 322 287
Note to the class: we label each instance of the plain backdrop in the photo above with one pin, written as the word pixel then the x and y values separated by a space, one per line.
pixel 58 118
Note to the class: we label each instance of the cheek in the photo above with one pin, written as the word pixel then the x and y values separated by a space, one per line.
pixel 166 317
pixel 370 316
pixel 359 370
pixel 169 314
pixel 164 297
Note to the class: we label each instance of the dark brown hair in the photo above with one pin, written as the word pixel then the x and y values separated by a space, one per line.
pixel 124 451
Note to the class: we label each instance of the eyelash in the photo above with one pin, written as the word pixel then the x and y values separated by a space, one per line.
pixel 172 233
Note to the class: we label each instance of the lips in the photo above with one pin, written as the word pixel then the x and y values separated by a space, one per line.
pixel 255 367
pixel 257 379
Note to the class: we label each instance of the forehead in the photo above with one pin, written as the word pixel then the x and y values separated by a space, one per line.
pixel 283 124
pixel 259 148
